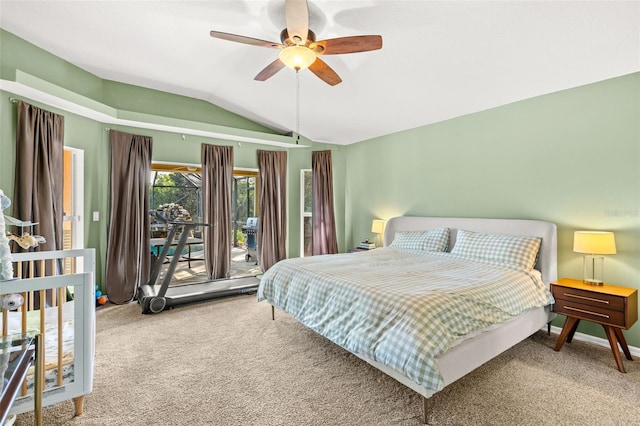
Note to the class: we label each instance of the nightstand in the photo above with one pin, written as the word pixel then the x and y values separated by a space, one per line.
pixel 614 307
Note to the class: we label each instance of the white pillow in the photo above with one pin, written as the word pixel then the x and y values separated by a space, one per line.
pixel 422 241
pixel 510 250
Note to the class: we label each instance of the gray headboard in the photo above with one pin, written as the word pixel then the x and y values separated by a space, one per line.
pixel 547 257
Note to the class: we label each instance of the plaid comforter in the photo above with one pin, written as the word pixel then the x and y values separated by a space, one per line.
pixel 397 308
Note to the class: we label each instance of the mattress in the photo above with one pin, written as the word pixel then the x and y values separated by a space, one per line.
pixel 50 341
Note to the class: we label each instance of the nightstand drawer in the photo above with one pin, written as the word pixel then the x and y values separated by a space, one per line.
pixel 574 295
pixel 602 315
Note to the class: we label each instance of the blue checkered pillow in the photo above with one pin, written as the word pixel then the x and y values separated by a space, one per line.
pixel 510 250
pixel 422 241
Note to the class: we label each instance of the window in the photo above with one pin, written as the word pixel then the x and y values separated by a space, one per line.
pixel 306 219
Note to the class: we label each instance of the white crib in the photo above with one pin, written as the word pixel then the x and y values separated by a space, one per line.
pixel 66 322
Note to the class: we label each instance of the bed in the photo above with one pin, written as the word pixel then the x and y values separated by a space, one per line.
pixel 65 319
pixel 444 295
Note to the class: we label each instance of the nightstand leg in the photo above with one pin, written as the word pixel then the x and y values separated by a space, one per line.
pixel 613 341
pixel 572 331
pixel 623 343
pixel 569 327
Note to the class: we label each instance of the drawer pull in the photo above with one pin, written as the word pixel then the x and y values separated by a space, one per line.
pixel 593 299
pixel 586 312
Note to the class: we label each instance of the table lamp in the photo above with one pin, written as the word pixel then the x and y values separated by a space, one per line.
pixel 594 244
pixel 377 227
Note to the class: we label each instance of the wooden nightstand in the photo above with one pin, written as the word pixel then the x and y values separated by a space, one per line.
pixel 614 307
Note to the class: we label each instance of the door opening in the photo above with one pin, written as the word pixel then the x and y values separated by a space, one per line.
pixel 73 203
pixel 179 187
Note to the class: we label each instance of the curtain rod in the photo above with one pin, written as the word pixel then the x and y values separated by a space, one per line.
pixel 15 101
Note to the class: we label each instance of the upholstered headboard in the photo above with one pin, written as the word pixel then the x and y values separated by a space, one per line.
pixel 547 256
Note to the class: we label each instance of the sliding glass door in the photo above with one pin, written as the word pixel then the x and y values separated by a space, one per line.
pixel 178 188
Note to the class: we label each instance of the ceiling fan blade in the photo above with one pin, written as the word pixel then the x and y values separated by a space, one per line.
pixel 324 71
pixel 352 44
pixel 270 70
pixel 297 16
pixel 245 40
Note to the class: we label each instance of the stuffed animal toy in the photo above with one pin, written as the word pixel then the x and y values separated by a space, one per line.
pixel 6 267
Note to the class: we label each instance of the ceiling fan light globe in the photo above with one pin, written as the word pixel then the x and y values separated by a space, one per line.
pixel 297 57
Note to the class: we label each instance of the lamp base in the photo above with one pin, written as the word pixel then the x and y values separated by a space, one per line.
pixel 593 270
pixel 593 282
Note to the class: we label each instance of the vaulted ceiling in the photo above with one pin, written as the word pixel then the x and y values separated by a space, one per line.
pixel 439 60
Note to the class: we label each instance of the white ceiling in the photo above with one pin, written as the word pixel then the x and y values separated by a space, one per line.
pixel 439 60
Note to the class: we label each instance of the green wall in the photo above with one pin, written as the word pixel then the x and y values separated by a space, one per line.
pixel 571 157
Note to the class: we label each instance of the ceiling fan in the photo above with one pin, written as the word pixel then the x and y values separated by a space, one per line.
pixel 299 48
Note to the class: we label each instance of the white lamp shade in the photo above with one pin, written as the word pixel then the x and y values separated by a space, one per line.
pixel 377 226
pixel 594 242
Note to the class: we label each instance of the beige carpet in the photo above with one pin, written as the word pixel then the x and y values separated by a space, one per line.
pixel 225 362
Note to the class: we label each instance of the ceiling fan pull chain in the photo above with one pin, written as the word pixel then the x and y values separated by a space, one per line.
pixel 297 107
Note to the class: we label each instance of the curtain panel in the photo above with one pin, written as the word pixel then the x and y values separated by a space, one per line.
pixel 39 172
pixel 272 187
pixel 217 182
pixel 39 179
pixel 323 217
pixel 128 241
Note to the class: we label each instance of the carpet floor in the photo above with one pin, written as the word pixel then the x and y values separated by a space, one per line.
pixel 224 362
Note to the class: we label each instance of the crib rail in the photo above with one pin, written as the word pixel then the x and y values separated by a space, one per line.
pixel 45 287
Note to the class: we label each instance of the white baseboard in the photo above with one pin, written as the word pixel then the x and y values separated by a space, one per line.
pixel 592 339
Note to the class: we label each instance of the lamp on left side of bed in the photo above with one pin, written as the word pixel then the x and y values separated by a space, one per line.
pixel 377 227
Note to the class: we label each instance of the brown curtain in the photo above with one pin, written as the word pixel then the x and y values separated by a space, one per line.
pixel 323 217
pixel 217 180
pixel 39 173
pixel 272 187
pixel 128 240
